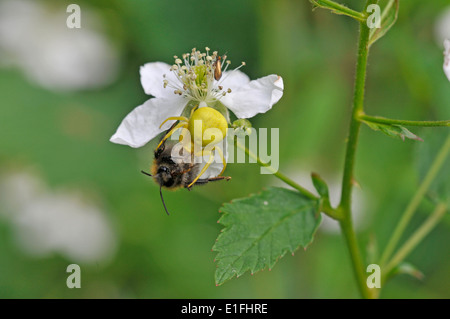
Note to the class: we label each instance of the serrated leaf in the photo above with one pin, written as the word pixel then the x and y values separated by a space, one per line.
pixel 393 130
pixel 388 18
pixel 261 228
pixel 439 190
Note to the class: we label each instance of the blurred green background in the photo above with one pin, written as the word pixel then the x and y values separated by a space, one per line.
pixel 58 134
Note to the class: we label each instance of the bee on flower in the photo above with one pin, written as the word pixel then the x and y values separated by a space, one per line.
pixel 198 88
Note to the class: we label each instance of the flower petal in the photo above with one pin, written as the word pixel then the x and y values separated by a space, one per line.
pixel 257 96
pixel 142 124
pixel 447 58
pixel 217 165
pixel 152 77
pixel 234 80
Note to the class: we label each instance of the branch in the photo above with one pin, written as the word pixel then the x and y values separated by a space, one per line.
pixel 383 120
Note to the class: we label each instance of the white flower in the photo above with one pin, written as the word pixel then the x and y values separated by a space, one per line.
pixel 442 26
pixel 45 222
pixel 195 79
pixel 34 37
pixel 447 58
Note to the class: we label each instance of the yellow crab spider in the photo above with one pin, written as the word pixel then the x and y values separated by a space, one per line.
pixel 209 119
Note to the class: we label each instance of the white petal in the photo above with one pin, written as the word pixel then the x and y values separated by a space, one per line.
pixel 234 80
pixel 257 96
pixel 142 124
pixel 447 58
pixel 217 165
pixel 212 171
pixel 152 77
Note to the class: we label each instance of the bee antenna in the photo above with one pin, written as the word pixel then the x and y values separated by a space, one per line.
pixel 162 199
pixel 145 173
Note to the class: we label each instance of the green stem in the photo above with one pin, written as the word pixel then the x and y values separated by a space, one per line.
pixel 352 244
pixel 347 180
pixel 415 201
pixel 276 173
pixel 383 120
pixel 339 9
pixel 416 237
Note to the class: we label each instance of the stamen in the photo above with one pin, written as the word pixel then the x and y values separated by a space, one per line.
pixel 196 76
pixel 226 67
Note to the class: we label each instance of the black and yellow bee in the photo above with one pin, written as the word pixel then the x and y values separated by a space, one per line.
pixel 172 175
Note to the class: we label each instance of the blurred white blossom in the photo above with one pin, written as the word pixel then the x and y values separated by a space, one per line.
pixel 442 26
pixel 34 36
pixel 447 58
pixel 46 222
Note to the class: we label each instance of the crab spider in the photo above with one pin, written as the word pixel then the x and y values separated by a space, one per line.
pixel 210 119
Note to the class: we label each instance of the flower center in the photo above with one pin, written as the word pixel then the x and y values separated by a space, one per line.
pixel 199 75
pixel 200 72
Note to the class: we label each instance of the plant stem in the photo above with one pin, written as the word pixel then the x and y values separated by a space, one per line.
pixel 352 244
pixel 339 9
pixel 383 120
pixel 416 237
pixel 415 201
pixel 347 180
pixel 276 173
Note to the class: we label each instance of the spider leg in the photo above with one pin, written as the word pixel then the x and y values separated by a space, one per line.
pixel 193 110
pixel 211 158
pixel 210 153
pixel 176 127
pixel 212 179
pixel 174 118
pixel 224 162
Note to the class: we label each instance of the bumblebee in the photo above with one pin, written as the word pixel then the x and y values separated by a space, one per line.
pixel 172 175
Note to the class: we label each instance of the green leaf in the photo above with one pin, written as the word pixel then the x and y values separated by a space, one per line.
pixel 393 130
pixel 324 201
pixel 405 268
pixel 388 19
pixel 261 228
pixel 337 8
pixel 439 190
pixel 320 185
